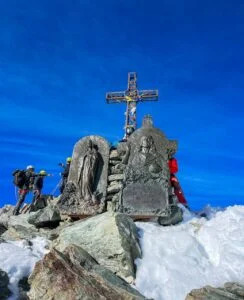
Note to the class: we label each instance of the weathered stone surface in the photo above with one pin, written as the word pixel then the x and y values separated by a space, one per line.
pixel 85 192
pixel 114 155
pixel 46 217
pixel 116 177
pixel 20 228
pixel 5 213
pixel 113 162
pixel 146 183
pixel 114 188
pixel 230 290
pixel 4 281
pixel 110 238
pixel 19 232
pixel 76 275
pixel 115 170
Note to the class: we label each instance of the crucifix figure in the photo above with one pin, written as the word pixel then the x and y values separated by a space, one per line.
pixel 131 96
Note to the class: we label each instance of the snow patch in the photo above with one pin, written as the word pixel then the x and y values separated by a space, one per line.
pixel 198 252
pixel 18 260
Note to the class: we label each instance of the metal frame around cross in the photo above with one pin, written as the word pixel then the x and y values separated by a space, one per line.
pixel 131 96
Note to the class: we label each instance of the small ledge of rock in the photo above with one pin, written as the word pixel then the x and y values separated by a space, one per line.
pixel 231 290
pixel 116 177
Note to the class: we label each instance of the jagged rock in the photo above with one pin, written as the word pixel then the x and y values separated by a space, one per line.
pixel 74 274
pixel 46 217
pixel 114 188
pixel 110 238
pixel 116 177
pixel 230 290
pixel 4 281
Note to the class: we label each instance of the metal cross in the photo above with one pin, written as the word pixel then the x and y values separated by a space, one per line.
pixel 131 96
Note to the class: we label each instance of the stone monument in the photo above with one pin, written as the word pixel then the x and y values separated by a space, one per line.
pixel 145 191
pixel 132 178
pixel 85 192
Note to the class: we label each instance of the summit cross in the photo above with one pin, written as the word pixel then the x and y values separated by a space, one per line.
pixel 131 97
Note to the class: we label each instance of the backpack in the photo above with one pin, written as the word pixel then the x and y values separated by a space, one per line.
pixel 19 178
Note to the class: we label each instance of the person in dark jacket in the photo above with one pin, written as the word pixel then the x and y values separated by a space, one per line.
pixel 37 186
pixel 65 173
pixel 25 188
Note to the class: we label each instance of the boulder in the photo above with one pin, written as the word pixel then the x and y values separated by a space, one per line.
pixel 5 213
pixel 110 238
pixel 4 281
pixel 74 274
pixel 20 228
pixel 46 217
pixel 230 290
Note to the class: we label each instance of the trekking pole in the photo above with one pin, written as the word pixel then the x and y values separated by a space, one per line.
pixel 56 187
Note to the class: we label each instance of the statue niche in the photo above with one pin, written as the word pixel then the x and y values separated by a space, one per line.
pixel 87 173
pixel 86 189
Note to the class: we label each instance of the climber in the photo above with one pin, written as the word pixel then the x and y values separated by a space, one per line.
pixel 24 180
pixel 65 173
pixel 37 187
pixel 173 168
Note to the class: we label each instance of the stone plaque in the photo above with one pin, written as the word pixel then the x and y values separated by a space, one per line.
pixel 146 184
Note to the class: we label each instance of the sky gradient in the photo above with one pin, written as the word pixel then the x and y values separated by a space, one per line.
pixel 59 58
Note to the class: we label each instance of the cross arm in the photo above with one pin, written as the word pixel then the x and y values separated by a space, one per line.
pixel 148 95
pixel 116 97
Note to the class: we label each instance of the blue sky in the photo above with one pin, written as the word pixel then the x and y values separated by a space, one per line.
pixel 59 58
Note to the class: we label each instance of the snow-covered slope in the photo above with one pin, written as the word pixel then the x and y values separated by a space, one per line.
pixel 192 254
pixel 18 260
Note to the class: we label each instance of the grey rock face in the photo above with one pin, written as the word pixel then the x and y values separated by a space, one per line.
pixel 231 290
pixel 76 275
pixel 4 281
pixel 46 217
pixel 87 182
pixel 110 238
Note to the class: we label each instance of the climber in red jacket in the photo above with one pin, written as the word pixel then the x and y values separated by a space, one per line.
pixel 173 168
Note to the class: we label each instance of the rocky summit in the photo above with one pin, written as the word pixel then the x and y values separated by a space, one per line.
pixel 91 258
